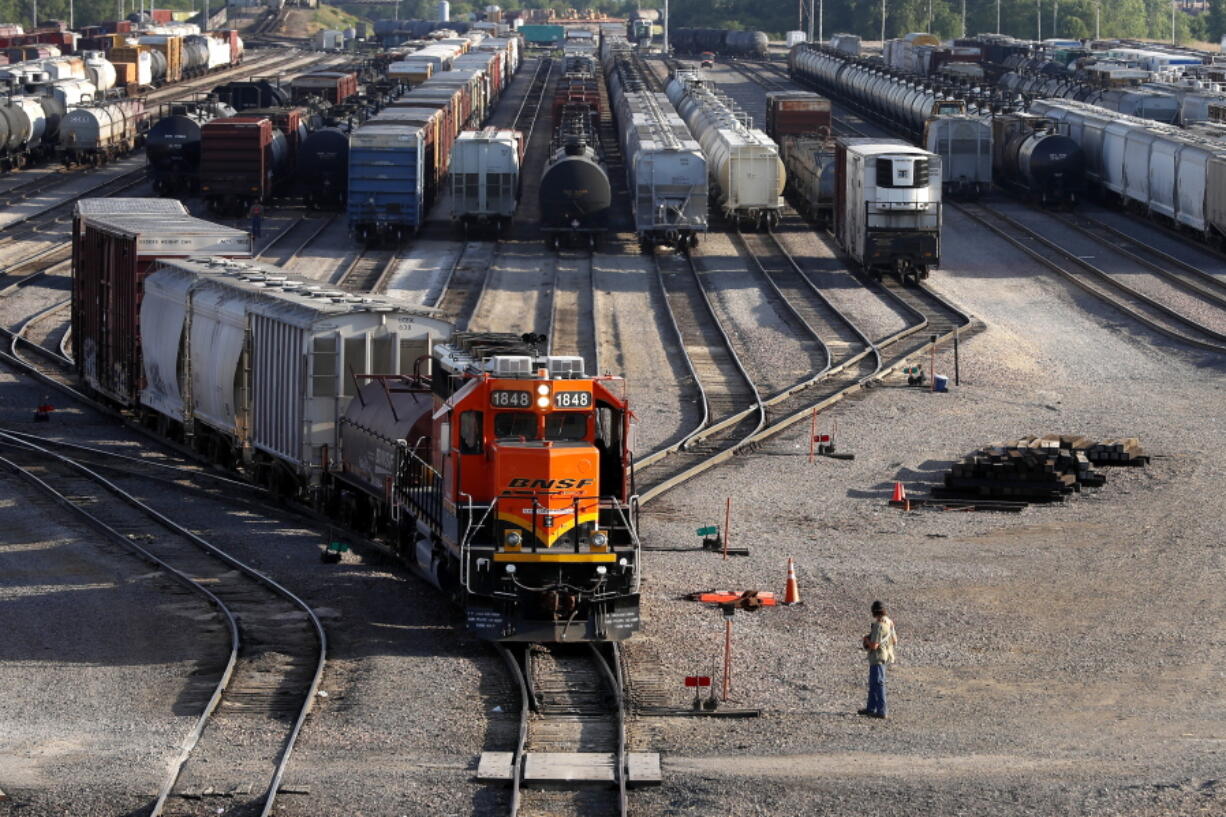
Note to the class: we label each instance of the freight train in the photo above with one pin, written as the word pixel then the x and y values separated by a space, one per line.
pixel 665 167
pixel 96 93
pixel 172 145
pixel 501 475
pixel 484 175
pixel 719 41
pixel 575 193
pixel 928 115
pixel 887 214
pixel 801 124
pixel 398 159
pixel 746 174
pixel 1030 154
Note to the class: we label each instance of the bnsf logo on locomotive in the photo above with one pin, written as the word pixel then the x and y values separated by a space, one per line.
pixel 548 484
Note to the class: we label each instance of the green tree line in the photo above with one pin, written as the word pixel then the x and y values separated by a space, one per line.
pixel 85 12
pixel 1074 19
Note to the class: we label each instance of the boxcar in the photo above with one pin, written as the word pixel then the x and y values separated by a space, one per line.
pixel 115 244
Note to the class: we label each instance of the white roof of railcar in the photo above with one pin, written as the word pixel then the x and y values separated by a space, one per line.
pixel 292 299
pixel 881 148
pixel 170 232
pixel 119 206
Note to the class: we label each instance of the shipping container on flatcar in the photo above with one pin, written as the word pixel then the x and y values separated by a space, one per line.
pixel 116 241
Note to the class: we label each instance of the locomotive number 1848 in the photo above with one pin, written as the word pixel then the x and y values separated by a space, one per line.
pixel 501 398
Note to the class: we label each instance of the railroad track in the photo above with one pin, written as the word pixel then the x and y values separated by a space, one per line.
pixel 757 73
pixel 465 282
pixel 1095 281
pixel 572 316
pixel 369 270
pixel 290 242
pixel 732 409
pixel 277 645
pixel 572 702
pixel 1189 277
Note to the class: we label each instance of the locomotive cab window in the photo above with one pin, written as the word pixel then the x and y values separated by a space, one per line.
pixel 470 432
pixel 566 426
pixel 515 424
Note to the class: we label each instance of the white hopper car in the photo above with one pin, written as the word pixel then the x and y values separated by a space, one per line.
pixel 964 144
pixel 742 160
pixel 484 178
pixel 1163 171
pixel 257 364
pixel 888 206
pixel 666 171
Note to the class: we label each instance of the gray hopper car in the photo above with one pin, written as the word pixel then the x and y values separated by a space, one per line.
pixel 964 144
pixel 665 167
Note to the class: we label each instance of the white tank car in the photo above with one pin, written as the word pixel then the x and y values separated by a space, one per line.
pixel 29 121
pixel 99 70
pixel 742 160
pixel 888 216
pixel 64 68
pixel 666 171
pixel 265 363
pixel 73 92
pixel 96 133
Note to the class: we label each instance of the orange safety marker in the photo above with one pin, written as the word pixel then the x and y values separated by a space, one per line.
pixel 766 597
pixel 900 493
pixel 791 593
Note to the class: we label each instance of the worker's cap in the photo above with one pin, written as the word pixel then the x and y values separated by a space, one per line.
pixel 878 607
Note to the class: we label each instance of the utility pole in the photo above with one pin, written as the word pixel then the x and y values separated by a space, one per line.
pixel 883 26
pixel 1055 10
pixel 929 28
pixel 1038 20
pixel 666 28
pixel 34 14
pixel 821 20
pixel 1172 22
pixel 1098 10
pixel 963 18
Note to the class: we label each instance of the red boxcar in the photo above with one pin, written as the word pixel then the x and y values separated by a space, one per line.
pixel 333 86
pixel 161 16
pixel 114 244
pixel 242 160
pixel 797 113
pixel 117 27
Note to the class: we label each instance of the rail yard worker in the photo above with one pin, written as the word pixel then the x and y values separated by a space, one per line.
pixel 879 644
pixel 257 215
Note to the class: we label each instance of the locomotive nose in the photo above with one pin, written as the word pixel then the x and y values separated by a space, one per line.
pixel 547 489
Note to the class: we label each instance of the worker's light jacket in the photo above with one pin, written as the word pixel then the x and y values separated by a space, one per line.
pixel 882 632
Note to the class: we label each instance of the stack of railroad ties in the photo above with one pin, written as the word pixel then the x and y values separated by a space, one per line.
pixel 1009 476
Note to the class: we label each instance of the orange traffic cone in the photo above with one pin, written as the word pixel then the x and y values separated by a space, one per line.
pixel 791 594
pixel 900 493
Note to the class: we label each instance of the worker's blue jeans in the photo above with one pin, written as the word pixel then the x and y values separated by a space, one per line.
pixel 876 689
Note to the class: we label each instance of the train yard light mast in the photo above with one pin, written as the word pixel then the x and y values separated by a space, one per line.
pixel 997 16
pixel 883 26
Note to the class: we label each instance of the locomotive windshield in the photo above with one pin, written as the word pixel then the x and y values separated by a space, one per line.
pixel 515 425
pixel 567 426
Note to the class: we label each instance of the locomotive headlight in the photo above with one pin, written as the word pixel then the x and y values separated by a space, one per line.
pixel 599 539
pixel 511 569
pixel 514 539
pixel 542 390
pixel 600 571
pixel 542 402
pixel 624 562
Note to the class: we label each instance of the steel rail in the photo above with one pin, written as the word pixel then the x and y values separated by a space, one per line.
pixel 193 736
pixel 711 427
pixel 992 219
pixel 287 747
pixel 521 741
pixel 1188 277
pixel 19 334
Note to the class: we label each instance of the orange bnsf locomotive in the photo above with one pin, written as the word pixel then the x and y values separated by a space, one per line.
pixel 504 478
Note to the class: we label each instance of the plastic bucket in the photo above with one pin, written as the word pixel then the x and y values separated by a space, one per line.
pixel 940 383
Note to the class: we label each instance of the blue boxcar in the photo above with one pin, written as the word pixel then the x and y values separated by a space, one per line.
pixel 386 181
